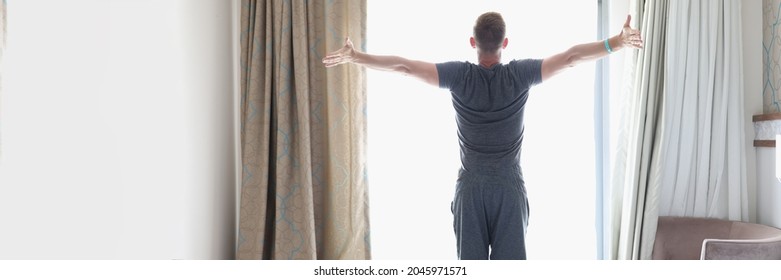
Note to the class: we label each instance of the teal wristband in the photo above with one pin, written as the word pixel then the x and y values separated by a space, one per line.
pixel 607 47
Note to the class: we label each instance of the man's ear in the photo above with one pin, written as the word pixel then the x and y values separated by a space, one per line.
pixel 472 42
pixel 504 44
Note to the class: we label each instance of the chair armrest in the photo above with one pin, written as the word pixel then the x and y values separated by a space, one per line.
pixel 741 249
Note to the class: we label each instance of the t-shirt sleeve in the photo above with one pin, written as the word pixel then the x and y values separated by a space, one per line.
pixel 529 71
pixel 450 73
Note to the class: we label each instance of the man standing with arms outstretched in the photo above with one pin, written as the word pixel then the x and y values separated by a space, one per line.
pixel 490 208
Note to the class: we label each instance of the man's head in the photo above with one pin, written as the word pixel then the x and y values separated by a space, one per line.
pixel 489 31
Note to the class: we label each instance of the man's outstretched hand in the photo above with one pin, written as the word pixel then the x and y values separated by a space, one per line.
pixel 344 55
pixel 631 37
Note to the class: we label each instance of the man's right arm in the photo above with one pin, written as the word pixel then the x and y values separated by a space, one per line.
pixel 424 71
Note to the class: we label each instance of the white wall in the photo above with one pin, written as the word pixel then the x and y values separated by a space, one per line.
pixel 768 189
pixel 117 129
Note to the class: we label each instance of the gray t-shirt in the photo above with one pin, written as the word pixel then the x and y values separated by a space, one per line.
pixel 489 105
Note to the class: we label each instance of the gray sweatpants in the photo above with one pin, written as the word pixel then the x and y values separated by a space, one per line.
pixel 490 209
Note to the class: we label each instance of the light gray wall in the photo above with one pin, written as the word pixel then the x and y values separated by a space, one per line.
pixel 118 133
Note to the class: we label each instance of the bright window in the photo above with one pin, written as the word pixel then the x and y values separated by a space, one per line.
pixel 413 147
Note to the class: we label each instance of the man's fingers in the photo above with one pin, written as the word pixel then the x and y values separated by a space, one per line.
pixel 332 57
pixel 636 39
pixel 636 44
pixel 332 63
pixel 340 56
pixel 332 60
pixel 336 54
pixel 628 19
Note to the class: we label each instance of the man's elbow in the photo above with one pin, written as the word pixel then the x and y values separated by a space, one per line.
pixel 572 62
pixel 403 69
pixel 572 58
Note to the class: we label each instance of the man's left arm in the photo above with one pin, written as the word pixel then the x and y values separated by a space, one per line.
pixel 591 51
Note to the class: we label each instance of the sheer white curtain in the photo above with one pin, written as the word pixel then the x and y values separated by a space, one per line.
pixel 680 150
pixel 636 165
pixel 704 171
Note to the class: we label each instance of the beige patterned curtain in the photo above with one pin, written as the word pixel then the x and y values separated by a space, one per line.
pixel 303 133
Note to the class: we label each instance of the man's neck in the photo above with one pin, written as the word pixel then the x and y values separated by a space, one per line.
pixel 488 60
